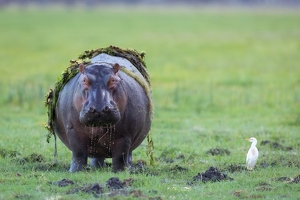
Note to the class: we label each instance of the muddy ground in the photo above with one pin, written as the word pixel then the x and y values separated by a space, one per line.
pixel 116 187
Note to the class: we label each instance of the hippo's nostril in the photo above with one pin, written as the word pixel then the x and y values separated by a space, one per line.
pixel 92 109
pixel 112 103
pixel 106 108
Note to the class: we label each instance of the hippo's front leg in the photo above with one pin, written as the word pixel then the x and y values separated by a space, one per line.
pixel 79 151
pixel 78 162
pixel 121 156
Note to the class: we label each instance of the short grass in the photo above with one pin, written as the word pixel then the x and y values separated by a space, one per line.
pixel 218 77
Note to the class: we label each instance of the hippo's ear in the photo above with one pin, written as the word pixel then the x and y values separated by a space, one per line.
pixel 82 68
pixel 116 68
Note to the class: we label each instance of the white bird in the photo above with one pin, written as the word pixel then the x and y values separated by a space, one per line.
pixel 252 154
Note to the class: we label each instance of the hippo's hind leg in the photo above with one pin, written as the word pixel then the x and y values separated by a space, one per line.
pixel 97 162
pixel 130 158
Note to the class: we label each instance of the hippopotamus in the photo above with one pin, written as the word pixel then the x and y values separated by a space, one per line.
pixel 104 111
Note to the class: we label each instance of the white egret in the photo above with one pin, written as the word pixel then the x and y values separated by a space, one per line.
pixel 252 154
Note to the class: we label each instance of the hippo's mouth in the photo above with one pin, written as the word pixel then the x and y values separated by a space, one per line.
pixel 100 119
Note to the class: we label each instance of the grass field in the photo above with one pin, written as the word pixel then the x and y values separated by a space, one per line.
pixel 218 77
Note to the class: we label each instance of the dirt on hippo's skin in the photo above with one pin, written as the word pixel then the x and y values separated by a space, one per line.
pixel 218 151
pixel 212 174
pixel 275 145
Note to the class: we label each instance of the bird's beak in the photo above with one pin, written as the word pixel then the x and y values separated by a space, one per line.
pixel 248 139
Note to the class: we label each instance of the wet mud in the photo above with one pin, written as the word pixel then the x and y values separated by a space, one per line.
pixel 5 153
pixel 264 187
pixel 296 179
pixel 114 183
pixel 63 183
pixel 275 145
pixel 178 168
pixel 138 168
pixel 171 163
pixel 232 168
pixel 218 151
pixel 292 160
pixel 211 175
pixel 113 187
pixel 32 158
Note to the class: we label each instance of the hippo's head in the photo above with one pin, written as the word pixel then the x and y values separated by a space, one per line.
pixel 93 98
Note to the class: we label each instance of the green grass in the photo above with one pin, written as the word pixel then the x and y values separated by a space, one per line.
pixel 218 76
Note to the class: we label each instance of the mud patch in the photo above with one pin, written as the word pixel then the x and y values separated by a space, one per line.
pixel 219 152
pixel 166 159
pixel 94 189
pixel 4 153
pixel 141 168
pixel 138 168
pixel 170 155
pixel 263 187
pixel 58 167
pixel 210 175
pixel 23 196
pixel 178 168
pixel 32 158
pixel 290 160
pixel 113 187
pixel 128 182
pixel 284 179
pixel 114 183
pixel 275 145
pixel 63 183
pixel 238 193
pixel 235 168
pixel 242 194
pixel 296 179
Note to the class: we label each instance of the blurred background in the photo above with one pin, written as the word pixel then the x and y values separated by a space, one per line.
pixel 92 3
pixel 219 69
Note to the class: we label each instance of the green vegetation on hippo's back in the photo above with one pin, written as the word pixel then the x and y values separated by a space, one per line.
pixel 218 76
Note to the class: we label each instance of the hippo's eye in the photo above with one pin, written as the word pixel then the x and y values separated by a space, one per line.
pixel 85 83
pixel 113 82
